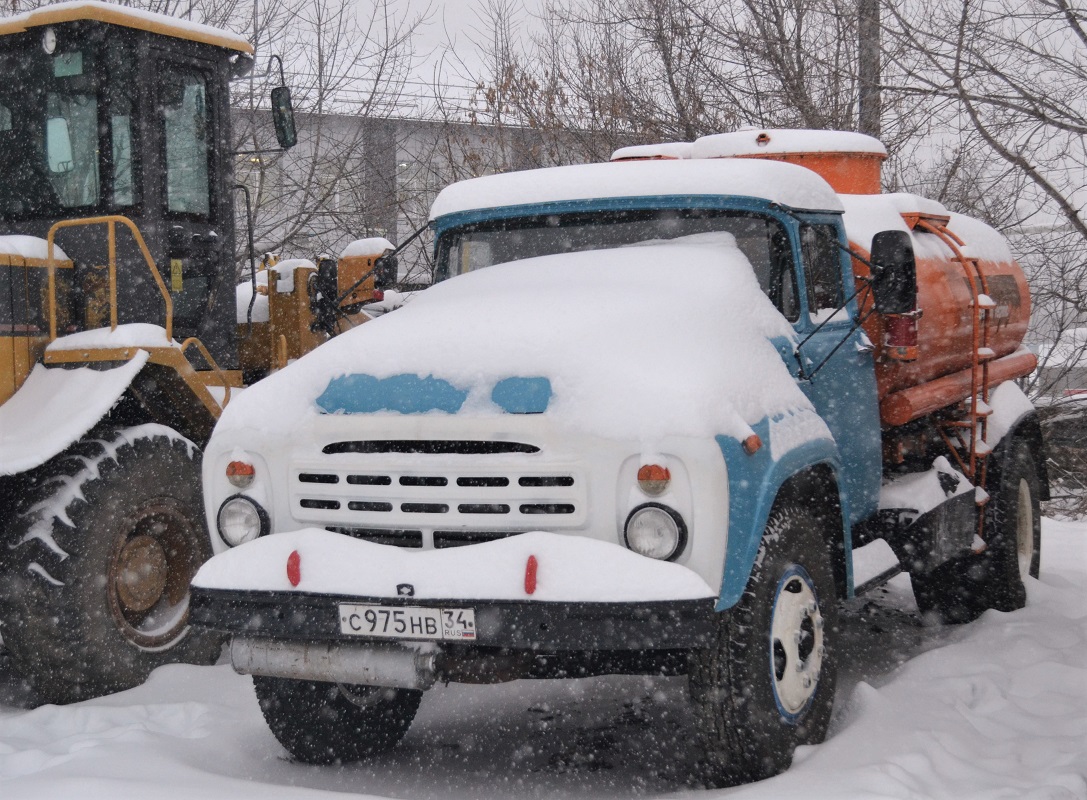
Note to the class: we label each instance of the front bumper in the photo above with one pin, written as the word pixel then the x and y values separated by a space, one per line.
pixel 529 625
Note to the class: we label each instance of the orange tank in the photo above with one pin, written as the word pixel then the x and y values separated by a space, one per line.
pixel 962 265
pixel 940 375
pixel 958 259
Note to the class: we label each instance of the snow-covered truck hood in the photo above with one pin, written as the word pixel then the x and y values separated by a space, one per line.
pixel 661 338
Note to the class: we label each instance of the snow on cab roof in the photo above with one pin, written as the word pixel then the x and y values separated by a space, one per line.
pixel 644 151
pixel 774 141
pixel 787 184
pixel 126 17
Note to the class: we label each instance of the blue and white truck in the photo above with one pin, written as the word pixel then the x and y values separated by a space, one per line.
pixel 638 425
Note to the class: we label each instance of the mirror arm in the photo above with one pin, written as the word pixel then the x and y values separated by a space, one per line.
pixel 252 257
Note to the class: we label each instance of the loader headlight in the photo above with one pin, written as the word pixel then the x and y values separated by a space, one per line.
pixel 241 520
pixel 656 531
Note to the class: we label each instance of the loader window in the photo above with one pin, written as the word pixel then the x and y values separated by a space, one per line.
pixel 184 111
pixel 121 96
pixel 71 131
pixel 66 131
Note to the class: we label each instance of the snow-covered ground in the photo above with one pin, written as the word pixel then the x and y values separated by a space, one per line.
pixel 995 709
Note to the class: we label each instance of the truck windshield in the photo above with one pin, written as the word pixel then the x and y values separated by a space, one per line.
pixel 761 238
pixel 63 132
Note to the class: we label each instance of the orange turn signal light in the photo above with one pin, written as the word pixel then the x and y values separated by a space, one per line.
pixel 752 444
pixel 240 473
pixel 653 479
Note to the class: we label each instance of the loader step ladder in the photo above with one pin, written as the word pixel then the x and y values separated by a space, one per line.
pixel 967 437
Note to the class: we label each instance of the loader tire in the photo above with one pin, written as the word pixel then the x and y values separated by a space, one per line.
pixel 95 571
pixel 965 587
pixel 766 684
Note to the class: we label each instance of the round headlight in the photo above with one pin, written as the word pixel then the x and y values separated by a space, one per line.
pixel 241 520
pixel 655 531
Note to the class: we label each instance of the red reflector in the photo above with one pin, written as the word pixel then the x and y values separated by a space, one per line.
pixel 294 568
pixel 752 444
pixel 900 337
pixel 901 330
pixel 530 575
pixel 379 295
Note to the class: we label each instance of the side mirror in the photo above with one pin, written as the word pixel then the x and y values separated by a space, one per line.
pixel 895 280
pixel 283 117
pixel 386 272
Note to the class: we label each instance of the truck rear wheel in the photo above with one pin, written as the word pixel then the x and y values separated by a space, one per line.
pixel 960 590
pixel 330 723
pixel 96 573
pixel 767 684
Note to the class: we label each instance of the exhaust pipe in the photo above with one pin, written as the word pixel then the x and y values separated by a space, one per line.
pixel 368 665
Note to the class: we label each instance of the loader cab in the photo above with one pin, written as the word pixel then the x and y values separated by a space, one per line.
pixel 106 110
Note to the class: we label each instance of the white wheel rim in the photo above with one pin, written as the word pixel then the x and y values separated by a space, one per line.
pixel 797 645
pixel 1024 529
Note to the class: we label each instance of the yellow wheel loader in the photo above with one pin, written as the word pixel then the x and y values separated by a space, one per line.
pixel 119 331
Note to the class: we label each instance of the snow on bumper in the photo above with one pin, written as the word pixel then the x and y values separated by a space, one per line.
pixel 587 594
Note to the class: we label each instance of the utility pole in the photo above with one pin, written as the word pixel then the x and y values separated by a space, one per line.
pixel 868 67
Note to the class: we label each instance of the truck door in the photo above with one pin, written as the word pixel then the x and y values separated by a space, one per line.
pixel 842 385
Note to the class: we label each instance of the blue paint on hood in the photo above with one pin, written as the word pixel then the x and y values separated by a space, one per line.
pixel 406 394
pixel 522 395
pixel 414 394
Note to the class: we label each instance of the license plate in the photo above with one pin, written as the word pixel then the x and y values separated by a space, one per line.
pixel 408 622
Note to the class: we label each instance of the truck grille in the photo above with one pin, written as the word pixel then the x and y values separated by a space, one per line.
pixel 456 504
pixel 414 539
pixel 461 447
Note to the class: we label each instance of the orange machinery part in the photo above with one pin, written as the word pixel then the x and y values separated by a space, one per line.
pixel 847 173
pixel 906 405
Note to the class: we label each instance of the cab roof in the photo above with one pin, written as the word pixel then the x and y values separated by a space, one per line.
pixel 137 19
pixel 772 181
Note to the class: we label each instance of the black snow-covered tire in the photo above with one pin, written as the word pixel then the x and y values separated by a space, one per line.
pixel 331 723
pixel 95 569
pixel 962 589
pixel 767 685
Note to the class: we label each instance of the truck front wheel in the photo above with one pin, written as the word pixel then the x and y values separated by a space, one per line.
pixel 767 684
pixel 94 577
pixel 331 723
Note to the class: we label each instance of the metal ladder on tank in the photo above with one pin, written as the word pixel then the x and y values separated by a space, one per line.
pixel 972 458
